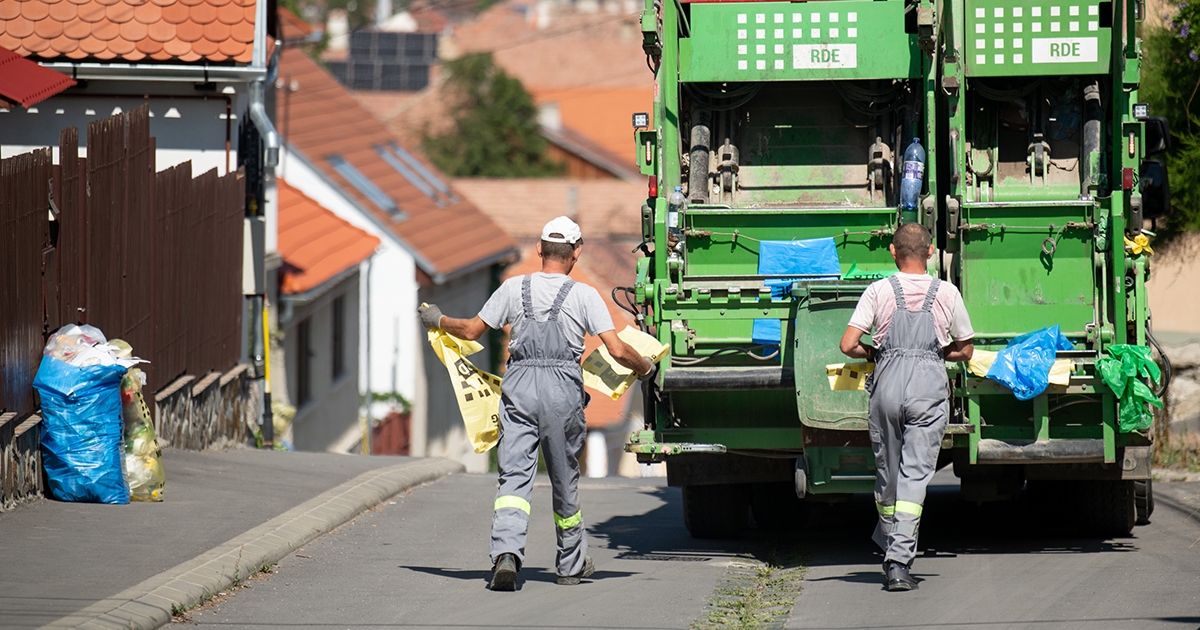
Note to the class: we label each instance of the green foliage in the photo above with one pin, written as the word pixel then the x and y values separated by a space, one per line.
pixel 495 130
pixel 1171 85
pixel 397 399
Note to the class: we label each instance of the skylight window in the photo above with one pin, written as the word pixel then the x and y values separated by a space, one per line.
pixel 424 172
pixel 408 174
pixel 364 185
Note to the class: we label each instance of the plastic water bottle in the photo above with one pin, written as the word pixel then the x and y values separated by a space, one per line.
pixel 914 175
pixel 676 206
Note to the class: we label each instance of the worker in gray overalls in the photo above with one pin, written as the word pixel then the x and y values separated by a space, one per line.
pixel 543 397
pixel 918 323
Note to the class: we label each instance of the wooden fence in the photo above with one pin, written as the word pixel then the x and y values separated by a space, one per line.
pixel 153 258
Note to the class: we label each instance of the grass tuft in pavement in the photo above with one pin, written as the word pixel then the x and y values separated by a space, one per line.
pixel 757 591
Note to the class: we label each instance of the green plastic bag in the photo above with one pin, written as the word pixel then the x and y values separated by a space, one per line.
pixel 1122 371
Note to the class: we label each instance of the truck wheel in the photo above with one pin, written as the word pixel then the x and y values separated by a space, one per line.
pixel 1143 497
pixel 775 506
pixel 1107 508
pixel 717 511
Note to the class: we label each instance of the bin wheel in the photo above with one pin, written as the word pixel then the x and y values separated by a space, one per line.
pixel 715 511
pixel 1143 496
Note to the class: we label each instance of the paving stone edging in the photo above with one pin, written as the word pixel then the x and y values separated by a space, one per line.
pixel 148 605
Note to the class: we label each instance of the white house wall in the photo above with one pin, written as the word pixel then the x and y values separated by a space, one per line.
pixel 388 353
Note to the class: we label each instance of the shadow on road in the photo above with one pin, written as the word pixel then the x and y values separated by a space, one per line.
pixel 527 574
pixel 841 532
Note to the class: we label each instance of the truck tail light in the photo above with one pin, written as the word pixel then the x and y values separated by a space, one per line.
pixel 653 187
pixel 1127 178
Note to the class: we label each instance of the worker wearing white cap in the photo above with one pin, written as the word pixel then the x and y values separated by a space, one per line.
pixel 543 397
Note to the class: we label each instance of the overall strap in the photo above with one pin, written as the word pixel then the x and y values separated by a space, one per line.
pixel 560 298
pixel 527 297
pixel 931 295
pixel 899 292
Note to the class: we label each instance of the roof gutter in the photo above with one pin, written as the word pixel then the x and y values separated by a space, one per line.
pixel 200 73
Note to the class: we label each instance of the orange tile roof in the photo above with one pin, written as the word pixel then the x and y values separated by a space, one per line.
pixel 292 26
pixel 130 30
pixel 322 120
pixel 314 243
pixel 603 114
pixel 576 49
pixel 602 208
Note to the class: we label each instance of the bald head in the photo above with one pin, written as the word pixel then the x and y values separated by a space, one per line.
pixel 911 243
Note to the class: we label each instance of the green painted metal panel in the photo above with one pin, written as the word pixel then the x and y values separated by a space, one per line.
pixel 1037 38
pixel 778 41
pixel 821 318
pixel 1010 285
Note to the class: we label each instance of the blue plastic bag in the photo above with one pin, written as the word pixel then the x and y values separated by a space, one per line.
pixel 81 431
pixel 812 258
pixel 1024 364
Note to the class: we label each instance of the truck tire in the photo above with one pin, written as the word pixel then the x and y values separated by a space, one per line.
pixel 775 506
pixel 715 511
pixel 1107 508
pixel 1143 497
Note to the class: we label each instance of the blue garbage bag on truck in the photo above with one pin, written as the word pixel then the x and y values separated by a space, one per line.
pixel 814 258
pixel 81 431
pixel 1024 364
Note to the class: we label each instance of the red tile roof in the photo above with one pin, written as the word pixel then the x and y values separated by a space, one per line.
pixel 293 27
pixel 23 81
pixel 323 120
pixel 602 208
pixel 314 243
pixel 130 30
pixel 603 114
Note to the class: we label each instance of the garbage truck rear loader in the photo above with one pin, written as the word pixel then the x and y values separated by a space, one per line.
pixel 784 126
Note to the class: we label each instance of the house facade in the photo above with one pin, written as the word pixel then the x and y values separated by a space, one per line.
pixel 435 246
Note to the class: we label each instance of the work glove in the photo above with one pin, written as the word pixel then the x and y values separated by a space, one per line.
pixel 649 376
pixel 431 315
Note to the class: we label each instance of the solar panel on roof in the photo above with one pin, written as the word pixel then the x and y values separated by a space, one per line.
pixel 364 185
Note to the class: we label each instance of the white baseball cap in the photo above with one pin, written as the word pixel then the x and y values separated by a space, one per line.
pixel 561 230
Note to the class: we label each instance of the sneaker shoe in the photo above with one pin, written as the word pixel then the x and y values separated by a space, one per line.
pixel 504 574
pixel 897 577
pixel 588 569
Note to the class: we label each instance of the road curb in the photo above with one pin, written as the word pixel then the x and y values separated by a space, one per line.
pixel 149 604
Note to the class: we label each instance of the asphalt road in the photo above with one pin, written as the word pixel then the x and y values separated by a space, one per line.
pixel 420 562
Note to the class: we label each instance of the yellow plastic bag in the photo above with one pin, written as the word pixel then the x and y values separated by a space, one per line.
pixel 602 373
pixel 982 360
pixel 478 392
pixel 848 376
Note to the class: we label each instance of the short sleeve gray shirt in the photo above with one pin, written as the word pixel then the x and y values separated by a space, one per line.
pixel 583 312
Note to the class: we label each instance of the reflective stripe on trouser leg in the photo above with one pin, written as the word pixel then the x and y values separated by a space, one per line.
pixel 516 456
pixel 922 440
pixel 562 444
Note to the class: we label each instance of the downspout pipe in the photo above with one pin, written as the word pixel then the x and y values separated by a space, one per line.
pixel 258 110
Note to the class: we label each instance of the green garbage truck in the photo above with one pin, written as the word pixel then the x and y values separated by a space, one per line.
pixel 780 126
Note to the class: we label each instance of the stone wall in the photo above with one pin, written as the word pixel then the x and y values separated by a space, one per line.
pixel 215 410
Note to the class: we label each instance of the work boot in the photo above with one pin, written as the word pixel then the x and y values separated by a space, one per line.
pixel 588 569
pixel 504 574
pixel 897 577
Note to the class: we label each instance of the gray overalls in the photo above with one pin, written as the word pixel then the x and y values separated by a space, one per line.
pixel 908 415
pixel 543 401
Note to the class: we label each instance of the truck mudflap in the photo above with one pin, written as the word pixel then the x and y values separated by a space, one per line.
pixel 1033 451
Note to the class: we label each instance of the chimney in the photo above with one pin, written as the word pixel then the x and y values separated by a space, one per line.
pixel 337 25
pixel 549 116
pixel 383 11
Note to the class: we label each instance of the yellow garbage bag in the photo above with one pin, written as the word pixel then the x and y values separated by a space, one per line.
pixel 478 392
pixel 982 360
pixel 602 373
pixel 848 376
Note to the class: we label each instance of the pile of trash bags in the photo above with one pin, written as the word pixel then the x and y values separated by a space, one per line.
pixel 98 442
pixel 1024 364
